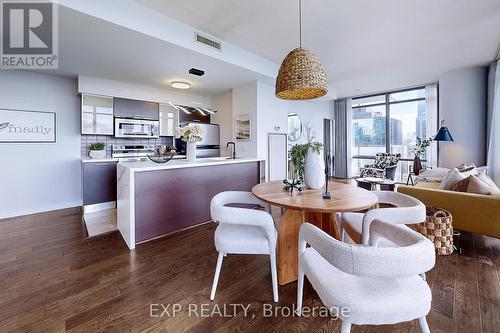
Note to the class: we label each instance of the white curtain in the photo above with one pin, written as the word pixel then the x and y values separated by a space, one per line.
pixel 431 106
pixel 493 122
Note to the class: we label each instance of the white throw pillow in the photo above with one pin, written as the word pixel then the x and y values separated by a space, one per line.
pixel 433 175
pixel 453 177
pixel 482 169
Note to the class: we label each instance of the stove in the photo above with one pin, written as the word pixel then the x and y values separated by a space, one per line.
pixel 134 152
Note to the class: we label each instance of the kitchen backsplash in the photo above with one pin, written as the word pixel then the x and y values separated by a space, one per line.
pixel 86 140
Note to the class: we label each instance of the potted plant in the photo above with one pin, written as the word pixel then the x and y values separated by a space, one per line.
pixel 190 134
pixel 97 150
pixel 418 150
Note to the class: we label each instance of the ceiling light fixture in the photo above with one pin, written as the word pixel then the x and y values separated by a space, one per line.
pixel 301 75
pixel 180 85
pixel 183 109
pixel 208 110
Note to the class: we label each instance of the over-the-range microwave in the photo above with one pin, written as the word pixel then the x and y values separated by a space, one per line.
pixel 137 128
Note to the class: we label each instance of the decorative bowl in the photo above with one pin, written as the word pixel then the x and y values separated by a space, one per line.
pixel 161 158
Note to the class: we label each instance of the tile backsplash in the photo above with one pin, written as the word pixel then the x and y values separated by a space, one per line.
pixel 86 140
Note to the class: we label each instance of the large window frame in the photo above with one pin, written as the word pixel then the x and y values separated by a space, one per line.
pixel 387 105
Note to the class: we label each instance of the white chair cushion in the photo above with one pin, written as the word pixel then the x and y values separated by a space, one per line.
pixel 370 300
pixel 242 239
pixel 353 225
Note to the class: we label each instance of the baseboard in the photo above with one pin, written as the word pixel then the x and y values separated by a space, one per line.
pixel 41 209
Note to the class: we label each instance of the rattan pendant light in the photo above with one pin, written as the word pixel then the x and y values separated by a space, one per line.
pixel 301 75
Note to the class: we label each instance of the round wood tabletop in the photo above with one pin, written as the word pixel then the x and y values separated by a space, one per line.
pixel 344 197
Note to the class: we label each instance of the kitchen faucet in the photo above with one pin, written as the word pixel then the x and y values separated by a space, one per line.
pixel 233 150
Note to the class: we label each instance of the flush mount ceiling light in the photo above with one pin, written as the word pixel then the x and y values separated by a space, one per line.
pixel 301 75
pixel 180 84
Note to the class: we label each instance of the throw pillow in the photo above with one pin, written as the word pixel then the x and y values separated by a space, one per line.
pixel 482 169
pixel 453 177
pixel 466 167
pixel 478 185
pixel 433 175
pixel 461 186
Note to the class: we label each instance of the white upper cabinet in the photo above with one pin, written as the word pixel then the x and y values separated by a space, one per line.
pixel 169 119
pixel 97 115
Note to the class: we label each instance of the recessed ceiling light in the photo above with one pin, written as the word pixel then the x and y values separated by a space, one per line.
pixel 180 84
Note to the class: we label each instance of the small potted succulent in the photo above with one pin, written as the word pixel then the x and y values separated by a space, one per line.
pixel 97 150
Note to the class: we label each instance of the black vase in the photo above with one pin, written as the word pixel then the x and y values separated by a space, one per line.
pixel 417 165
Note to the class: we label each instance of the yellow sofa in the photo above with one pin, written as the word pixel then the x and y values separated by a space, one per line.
pixel 471 212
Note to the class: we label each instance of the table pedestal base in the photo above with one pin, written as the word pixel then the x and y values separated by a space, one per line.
pixel 288 239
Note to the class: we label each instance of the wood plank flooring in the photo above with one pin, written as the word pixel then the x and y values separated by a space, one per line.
pixel 54 280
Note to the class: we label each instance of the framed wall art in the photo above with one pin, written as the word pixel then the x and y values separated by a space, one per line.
pixel 23 126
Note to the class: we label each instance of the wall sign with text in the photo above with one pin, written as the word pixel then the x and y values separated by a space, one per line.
pixel 27 126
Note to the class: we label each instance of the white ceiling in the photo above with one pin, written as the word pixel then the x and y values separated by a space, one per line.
pixel 365 45
pixel 94 47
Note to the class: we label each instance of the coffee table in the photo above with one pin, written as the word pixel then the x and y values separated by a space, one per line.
pixel 372 183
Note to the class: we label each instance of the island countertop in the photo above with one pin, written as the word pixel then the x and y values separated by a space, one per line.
pixel 139 166
pixel 154 199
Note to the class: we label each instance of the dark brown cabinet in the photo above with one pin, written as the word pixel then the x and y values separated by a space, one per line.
pixel 131 108
pixel 99 182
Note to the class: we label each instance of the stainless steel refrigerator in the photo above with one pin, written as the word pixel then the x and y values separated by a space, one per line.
pixel 209 146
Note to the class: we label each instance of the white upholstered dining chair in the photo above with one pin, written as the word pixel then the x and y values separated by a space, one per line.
pixel 243 231
pixel 407 210
pixel 378 284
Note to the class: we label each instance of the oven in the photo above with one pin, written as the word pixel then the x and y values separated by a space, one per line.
pixel 137 128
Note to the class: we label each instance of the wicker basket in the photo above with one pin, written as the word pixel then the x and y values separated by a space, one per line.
pixel 438 228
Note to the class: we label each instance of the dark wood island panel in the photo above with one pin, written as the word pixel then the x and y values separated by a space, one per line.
pixel 174 199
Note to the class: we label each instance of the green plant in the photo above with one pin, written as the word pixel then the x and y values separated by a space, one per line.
pixel 298 155
pixel 97 146
pixel 421 145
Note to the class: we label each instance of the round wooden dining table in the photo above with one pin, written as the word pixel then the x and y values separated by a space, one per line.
pixel 308 206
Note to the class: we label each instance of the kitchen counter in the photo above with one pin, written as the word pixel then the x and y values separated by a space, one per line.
pixel 155 199
pixel 112 159
pixel 98 160
pixel 138 166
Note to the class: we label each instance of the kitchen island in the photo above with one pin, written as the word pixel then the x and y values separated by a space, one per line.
pixel 157 199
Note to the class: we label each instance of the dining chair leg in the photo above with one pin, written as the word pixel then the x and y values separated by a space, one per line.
pixel 300 290
pixel 346 326
pixel 274 275
pixel 342 232
pixel 424 328
pixel 217 273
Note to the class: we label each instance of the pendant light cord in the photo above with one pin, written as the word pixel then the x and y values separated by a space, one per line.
pixel 300 23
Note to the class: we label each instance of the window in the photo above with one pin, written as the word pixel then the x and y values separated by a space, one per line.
pixel 391 122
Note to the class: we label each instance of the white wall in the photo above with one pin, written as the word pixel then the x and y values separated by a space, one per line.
pixel 462 104
pixel 223 104
pixel 272 116
pixel 45 176
pixel 312 113
pixel 245 102
pixel 98 86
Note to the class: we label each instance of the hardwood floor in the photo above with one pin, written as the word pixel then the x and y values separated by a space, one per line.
pixel 54 280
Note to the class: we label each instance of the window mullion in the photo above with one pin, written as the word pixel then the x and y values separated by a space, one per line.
pixel 387 125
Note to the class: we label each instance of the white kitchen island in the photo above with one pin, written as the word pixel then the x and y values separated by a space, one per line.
pixel 156 199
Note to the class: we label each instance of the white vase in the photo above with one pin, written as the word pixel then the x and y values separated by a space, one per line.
pixel 191 151
pixel 97 154
pixel 314 170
